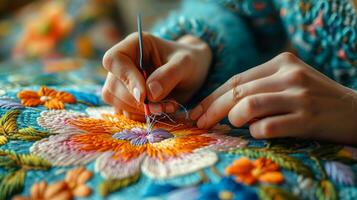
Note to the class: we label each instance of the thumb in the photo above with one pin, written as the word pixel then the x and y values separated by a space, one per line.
pixel 165 78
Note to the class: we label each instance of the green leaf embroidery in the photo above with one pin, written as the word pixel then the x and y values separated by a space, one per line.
pixel 12 183
pixel 330 152
pixel 16 166
pixel 8 129
pixel 8 122
pixel 9 160
pixel 111 185
pixel 3 140
pixel 33 162
pixel 283 160
pixel 326 150
pixel 326 191
pixel 274 193
pixel 29 134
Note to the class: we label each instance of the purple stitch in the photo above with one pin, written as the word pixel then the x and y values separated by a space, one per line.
pixel 158 135
pixel 10 105
pixel 138 136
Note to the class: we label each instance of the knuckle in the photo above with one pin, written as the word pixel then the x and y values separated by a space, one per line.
pixel 123 77
pixel 297 77
pixel 251 104
pixel 237 93
pixel 169 71
pixel 286 57
pixel 206 102
pixel 185 59
pixel 304 96
pixel 235 80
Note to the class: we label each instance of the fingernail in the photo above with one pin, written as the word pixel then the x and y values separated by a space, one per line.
pixel 155 108
pixel 201 122
pixel 155 89
pixel 136 93
pixel 195 113
pixel 170 108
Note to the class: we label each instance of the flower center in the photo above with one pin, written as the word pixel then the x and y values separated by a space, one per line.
pixel 225 195
pixel 139 136
pixel 45 98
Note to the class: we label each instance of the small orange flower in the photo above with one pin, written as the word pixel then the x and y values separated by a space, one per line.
pixel 48 97
pixel 74 185
pixel 249 172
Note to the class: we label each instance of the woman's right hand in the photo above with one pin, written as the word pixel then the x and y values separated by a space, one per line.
pixel 177 69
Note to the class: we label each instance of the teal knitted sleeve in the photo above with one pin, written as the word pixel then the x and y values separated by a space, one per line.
pixel 229 35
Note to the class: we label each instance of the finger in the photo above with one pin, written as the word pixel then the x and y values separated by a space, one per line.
pixel 134 116
pixel 220 108
pixel 122 66
pixel 264 70
pixel 289 125
pixel 118 89
pixel 167 107
pixel 259 106
pixel 111 99
pixel 165 78
pixel 118 111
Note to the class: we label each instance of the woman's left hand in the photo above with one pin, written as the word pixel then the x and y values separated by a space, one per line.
pixel 284 97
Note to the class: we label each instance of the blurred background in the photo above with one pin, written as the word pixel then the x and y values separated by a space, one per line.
pixel 50 29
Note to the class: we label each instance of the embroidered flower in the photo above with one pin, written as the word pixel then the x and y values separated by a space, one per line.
pixel 48 97
pixel 43 31
pixel 226 188
pixel 249 172
pixel 122 147
pixel 72 186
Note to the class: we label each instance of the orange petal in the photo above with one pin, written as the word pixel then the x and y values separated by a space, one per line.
pixel 82 191
pixel 84 177
pixel 260 162
pixel 247 179
pixel 55 189
pixel 65 97
pixel 272 177
pixel 19 197
pixel 38 189
pixel 31 102
pixel 45 91
pixel 54 104
pixel 27 94
pixel 271 167
pixel 240 166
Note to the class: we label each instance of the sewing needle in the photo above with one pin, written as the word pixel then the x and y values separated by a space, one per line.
pixel 142 68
